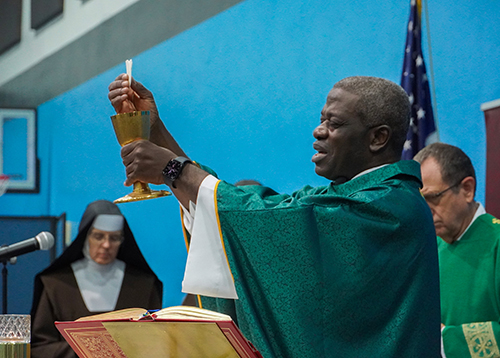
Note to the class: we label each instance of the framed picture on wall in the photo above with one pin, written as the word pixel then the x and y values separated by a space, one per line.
pixel 18 154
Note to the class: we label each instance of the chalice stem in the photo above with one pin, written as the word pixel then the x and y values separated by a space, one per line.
pixel 141 188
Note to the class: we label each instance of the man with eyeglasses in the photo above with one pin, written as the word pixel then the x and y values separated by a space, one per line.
pixel 469 253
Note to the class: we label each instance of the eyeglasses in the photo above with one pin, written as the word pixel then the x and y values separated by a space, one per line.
pixel 101 237
pixel 433 198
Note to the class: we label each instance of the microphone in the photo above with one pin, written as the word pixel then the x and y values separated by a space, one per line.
pixel 43 241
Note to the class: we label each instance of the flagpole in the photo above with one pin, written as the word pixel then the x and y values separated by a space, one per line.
pixel 431 68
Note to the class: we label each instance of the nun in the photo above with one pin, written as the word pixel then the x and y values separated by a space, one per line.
pixel 102 270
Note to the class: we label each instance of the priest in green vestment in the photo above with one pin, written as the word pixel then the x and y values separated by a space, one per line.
pixel 469 254
pixel 347 269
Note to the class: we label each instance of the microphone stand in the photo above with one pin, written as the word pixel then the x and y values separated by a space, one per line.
pixel 12 261
pixel 4 287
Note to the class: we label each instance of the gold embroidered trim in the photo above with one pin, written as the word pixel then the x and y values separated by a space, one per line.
pixel 481 340
pixel 495 221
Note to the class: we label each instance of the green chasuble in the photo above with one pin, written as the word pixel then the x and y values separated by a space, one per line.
pixel 470 290
pixel 345 270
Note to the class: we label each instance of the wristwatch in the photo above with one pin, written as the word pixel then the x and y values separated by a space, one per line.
pixel 174 169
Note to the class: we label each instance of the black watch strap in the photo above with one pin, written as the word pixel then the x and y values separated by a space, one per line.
pixel 173 170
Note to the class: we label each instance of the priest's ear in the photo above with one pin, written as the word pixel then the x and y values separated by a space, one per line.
pixel 379 137
pixel 468 188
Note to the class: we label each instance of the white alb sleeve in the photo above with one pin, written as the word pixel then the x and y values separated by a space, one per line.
pixel 188 216
pixel 207 268
pixel 442 344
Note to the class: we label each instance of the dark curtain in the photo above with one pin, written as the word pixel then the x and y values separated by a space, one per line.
pixel 492 118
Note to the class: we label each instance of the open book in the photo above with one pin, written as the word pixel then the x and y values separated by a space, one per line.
pixel 173 332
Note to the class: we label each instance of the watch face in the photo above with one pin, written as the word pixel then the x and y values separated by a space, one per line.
pixel 172 169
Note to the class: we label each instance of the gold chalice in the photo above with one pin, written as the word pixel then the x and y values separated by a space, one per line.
pixel 128 128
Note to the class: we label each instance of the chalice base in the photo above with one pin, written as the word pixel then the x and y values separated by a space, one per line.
pixel 142 196
pixel 142 192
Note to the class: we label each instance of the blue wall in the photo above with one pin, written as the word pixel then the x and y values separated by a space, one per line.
pixel 242 93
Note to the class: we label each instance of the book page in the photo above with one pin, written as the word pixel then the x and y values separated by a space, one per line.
pixel 125 314
pixel 189 312
pixel 174 312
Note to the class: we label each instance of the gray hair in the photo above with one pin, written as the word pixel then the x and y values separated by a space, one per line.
pixel 381 102
pixel 454 163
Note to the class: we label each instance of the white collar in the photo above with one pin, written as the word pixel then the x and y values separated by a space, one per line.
pixel 369 171
pixel 479 211
pixel 99 285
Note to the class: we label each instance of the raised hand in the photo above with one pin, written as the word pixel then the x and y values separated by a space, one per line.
pixel 126 99
pixel 144 161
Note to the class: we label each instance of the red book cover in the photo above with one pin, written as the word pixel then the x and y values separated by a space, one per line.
pixel 179 331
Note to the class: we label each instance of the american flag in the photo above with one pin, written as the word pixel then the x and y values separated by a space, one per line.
pixel 422 129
